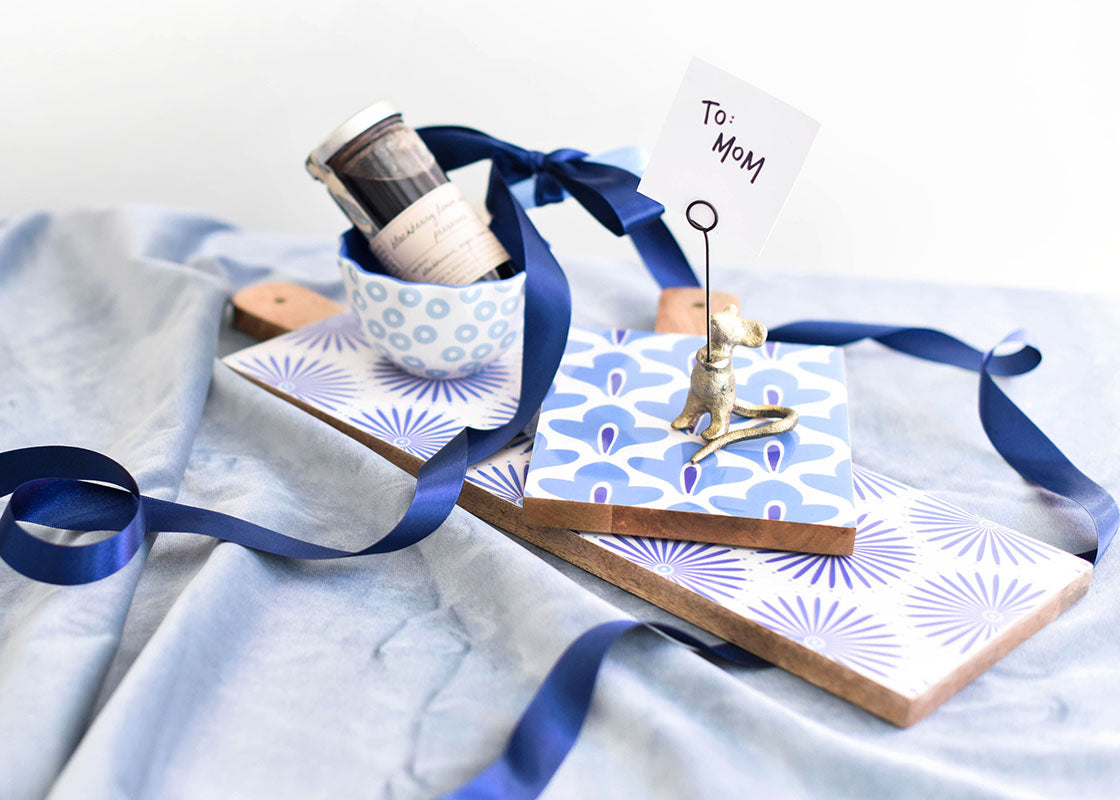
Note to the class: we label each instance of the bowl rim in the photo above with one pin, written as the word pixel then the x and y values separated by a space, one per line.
pixel 344 255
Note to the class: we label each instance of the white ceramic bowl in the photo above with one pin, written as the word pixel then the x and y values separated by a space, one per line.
pixel 433 330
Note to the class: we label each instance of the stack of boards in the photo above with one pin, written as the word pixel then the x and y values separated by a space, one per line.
pixel 927 597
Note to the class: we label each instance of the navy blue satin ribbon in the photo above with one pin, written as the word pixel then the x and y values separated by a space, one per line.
pixel 50 486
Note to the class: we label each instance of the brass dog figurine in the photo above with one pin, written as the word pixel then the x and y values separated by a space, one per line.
pixel 712 387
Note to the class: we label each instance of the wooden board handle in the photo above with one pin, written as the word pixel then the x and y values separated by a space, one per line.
pixel 270 309
pixel 681 310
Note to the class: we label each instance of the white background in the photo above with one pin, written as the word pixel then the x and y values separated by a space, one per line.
pixel 960 141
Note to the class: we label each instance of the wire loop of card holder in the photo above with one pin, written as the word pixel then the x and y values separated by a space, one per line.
pixel 712 387
pixel 707 275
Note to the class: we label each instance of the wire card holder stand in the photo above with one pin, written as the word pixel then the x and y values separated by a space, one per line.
pixel 712 388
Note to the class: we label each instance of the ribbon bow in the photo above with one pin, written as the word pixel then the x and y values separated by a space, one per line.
pixel 545 167
pixel 608 193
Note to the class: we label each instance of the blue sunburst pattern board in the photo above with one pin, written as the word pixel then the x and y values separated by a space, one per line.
pixel 930 590
pixel 604 438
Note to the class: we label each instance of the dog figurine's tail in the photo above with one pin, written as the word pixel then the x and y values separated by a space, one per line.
pixel 785 419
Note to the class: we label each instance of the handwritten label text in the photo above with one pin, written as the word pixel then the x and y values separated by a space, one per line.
pixel 725 145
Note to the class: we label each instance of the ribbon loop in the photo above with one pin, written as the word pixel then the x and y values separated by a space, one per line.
pixel 47 487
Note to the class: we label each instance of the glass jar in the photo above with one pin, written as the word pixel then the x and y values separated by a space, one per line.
pixel 418 224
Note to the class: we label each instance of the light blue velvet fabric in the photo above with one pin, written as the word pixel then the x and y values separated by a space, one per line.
pixel 206 670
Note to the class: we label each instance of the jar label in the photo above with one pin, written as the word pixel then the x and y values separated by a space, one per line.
pixel 438 239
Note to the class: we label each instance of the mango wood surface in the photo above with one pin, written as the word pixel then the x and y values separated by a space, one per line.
pixel 681 310
pixel 265 310
pixel 664 523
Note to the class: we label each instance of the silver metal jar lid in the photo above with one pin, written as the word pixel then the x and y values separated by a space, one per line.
pixel 355 126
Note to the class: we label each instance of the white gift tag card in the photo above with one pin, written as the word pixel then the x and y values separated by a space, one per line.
pixel 734 146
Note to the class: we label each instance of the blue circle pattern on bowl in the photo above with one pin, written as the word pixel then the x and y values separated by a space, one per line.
pixel 433 330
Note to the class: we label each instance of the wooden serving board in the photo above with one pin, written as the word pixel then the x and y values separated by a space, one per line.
pixel 605 458
pixel 931 596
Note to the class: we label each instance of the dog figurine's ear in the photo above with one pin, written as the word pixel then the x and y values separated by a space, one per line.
pixel 730 329
pixel 755 333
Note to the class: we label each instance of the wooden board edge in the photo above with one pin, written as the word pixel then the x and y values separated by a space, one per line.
pixel 998 647
pixel 662 523
pixel 545 512
pixel 709 615
pixel 265 310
